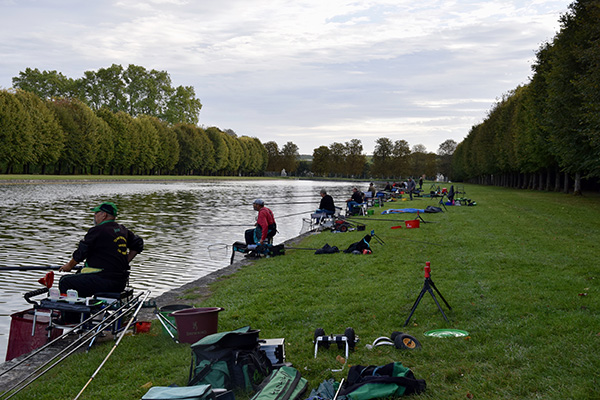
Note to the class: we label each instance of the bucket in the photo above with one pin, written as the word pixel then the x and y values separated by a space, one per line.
pixel 166 310
pixel 371 212
pixel 195 323
pixel 414 223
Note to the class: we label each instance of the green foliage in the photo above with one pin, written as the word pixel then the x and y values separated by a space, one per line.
pixel 134 90
pixel 519 271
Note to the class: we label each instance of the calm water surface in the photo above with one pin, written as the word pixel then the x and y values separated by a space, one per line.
pixel 185 226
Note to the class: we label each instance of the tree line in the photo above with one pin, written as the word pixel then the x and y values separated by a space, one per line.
pixel 65 136
pixel 545 134
pixel 390 160
pixel 132 121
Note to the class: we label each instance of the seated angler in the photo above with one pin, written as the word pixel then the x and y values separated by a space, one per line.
pixel 265 228
pixel 107 248
pixel 326 206
pixel 355 200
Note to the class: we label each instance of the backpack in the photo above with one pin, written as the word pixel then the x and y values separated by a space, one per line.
pixel 390 380
pixel 284 383
pixel 229 360
pixel 360 246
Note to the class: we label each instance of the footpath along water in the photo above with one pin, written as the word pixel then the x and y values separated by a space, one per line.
pixel 186 227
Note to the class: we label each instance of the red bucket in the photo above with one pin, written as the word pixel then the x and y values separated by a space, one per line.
pixel 195 323
pixel 414 223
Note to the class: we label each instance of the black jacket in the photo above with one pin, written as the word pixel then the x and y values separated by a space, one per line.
pixel 105 246
pixel 327 203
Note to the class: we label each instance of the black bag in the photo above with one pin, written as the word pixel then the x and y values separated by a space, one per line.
pixel 229 360
pixel 385 381
pixel 360 246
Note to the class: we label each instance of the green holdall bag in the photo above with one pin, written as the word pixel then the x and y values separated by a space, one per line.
pixel 284 383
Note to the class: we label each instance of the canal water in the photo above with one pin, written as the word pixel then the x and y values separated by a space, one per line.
pixel 186 227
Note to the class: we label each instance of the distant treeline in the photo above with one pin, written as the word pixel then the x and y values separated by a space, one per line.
pixel 546 132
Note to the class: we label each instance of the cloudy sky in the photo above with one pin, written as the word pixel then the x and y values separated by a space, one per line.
pixel 312 72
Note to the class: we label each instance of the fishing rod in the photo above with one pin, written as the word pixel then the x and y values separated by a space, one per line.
pixel 34 268
pixel 115 346
pixel 75 345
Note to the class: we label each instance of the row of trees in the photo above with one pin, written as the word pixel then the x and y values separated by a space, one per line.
pixel 542 133
pixel 132 121
pixel 390 160
pixel 66 136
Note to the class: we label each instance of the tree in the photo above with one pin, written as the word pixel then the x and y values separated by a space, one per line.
pixel 81 129
pixel 275 163
pixel 183 106
pixel 47 135
pixel 220 148
pixel 400 158
pixel 149 144
pixel 321 161
pixel 289 153
pixel 382 158
pixel 16 132
pixel 355 159
pixel 168 146
pixel 46 85
pixel 124 139
pixel 445 152
pixel 338 153
pixel 104 88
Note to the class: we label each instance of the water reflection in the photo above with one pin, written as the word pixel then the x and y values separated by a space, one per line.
pixel 41 224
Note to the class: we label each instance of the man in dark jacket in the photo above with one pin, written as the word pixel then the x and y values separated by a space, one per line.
pixel 326 205
pixel 107 248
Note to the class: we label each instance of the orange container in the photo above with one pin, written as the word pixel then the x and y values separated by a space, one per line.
pixel 414 223
pixel 142 326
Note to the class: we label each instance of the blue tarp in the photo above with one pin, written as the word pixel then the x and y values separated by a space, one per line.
pixel 403 210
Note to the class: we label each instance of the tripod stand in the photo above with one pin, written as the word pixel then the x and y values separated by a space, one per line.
pixel 427 286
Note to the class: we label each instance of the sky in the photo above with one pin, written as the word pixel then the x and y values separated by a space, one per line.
pixel 312 72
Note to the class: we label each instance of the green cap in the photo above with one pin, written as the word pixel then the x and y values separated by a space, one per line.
pixel 107 207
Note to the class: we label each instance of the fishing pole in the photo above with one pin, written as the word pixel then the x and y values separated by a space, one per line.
pixel 115 346
pixel 75 345
pixel 34 268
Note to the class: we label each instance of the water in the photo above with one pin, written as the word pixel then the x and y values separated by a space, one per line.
pixel 185 226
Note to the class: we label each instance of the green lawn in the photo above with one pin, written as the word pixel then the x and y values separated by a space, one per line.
pixel 520 271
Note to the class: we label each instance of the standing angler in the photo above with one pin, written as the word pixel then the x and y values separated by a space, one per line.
pixel 107 248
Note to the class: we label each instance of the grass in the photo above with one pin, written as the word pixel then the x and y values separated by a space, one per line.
pixel 520 271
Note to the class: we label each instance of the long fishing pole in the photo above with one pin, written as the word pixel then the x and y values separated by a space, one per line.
pixel 75 345
pixel 115 346
pixel 33 268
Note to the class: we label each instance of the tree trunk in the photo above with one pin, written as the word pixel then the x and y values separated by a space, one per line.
pixel 557 180
pixel 577 185
pixel 566 185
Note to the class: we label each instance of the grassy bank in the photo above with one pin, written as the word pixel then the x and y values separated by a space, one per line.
pixel 520 271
